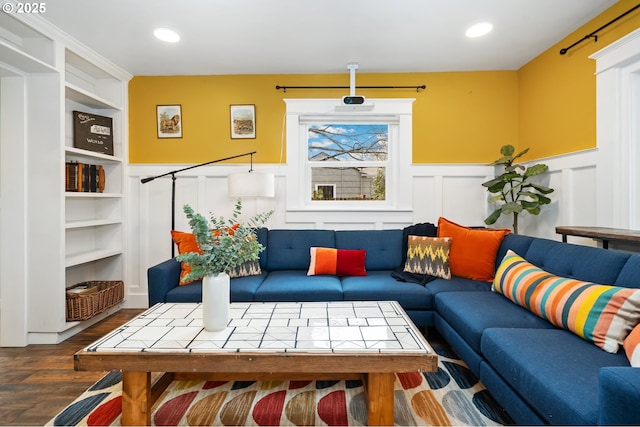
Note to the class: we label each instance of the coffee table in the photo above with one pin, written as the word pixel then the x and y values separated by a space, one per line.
pixel 368 340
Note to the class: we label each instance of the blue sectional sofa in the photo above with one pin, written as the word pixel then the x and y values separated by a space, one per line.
pixel 539 373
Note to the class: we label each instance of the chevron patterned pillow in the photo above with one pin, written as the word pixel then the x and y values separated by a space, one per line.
pixel 249 268
pixel 428 255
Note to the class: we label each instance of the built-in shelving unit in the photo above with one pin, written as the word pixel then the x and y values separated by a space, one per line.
pixel 67 237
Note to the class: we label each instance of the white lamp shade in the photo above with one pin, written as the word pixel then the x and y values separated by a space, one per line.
pixel 251 184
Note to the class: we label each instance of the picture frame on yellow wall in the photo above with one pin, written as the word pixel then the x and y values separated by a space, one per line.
pixel 243 121
pixel 169 119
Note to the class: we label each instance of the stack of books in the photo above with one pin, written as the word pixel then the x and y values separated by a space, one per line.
pixel 84 177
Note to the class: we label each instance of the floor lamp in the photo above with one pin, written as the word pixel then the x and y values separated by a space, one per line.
pixel 243 185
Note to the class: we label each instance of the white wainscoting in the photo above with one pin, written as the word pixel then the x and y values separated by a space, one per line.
pixel 451 191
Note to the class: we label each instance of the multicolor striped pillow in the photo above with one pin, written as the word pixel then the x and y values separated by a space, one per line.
pixel 601 314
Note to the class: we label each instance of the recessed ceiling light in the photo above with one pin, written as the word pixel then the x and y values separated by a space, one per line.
pixel 479 29
pixel 166 35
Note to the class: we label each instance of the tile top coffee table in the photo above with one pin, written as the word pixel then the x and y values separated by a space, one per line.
pixel 368 340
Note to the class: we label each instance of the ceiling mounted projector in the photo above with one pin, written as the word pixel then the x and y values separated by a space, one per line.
pixel 353 100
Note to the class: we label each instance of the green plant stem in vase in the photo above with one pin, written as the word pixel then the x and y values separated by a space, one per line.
pixel 512 189
pixel 224 244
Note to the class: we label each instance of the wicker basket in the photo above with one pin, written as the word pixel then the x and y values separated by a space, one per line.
pixel 96 297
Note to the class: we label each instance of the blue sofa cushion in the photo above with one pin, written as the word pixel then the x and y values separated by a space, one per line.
pixel 289 249
pixel 295 285
pixel 555 371
pixel 263 235
pixel 577 262
pixel 384 247
pixel 380 286
pixel 470 313
pixel 242 289
pixel 457 284
pixel 191 292
pixel 516 242
pixel 629 274
pixel 619 396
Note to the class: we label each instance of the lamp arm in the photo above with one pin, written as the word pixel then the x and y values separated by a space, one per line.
pixel 173 186
pixel 151 178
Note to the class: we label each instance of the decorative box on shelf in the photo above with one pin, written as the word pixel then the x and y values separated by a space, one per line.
pixel 87 299
pixel 93 132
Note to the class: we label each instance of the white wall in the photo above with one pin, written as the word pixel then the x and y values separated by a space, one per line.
pixel 618 132
pixel 452 191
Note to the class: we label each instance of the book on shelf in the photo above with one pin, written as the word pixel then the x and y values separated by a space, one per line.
pixel 84 177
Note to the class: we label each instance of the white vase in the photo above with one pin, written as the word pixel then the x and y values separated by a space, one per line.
pixel 215 301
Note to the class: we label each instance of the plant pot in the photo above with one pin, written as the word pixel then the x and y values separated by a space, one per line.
pixel 215 302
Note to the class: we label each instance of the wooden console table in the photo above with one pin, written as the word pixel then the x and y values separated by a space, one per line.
pixel 601 233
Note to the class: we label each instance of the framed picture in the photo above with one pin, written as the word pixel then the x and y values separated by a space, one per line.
pixel 243 121
pixel 169 119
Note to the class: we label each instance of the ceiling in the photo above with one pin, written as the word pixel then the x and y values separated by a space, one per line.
pixel 319 36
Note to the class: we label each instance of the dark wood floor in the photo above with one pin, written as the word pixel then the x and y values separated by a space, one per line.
pixel 38 381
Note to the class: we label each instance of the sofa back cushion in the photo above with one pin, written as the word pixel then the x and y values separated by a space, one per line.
pixel 516 242
pixel 629 276
pixel 384 247
pixel 290 249
pixel 576 261
pixel 263 235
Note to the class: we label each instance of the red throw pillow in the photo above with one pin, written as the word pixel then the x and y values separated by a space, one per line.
pixel 341 262
pixel 473 250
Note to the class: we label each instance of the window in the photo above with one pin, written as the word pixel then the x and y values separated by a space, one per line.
pixel 348 161
pixel 344 162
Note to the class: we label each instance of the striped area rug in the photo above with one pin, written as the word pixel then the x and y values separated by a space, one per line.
pixel 450 396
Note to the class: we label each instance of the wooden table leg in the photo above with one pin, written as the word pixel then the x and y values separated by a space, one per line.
pixel 136 398
pixel 380 398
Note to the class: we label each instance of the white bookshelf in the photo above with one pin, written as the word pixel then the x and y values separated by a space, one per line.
pixel 67 237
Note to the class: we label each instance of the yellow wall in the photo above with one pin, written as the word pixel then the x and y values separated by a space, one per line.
pixel 462 117
pixel 557 93
pixel 455 118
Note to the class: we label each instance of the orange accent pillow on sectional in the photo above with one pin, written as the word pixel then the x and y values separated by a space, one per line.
pixel 473 250
pixel 631 346
pixel 186 243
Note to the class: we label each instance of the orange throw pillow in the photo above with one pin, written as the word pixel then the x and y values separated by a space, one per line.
pixel 632 347
pixel 186 243
pixel 340 262
pixel 473 250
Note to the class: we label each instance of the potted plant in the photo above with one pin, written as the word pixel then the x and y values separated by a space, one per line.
pixel 513 191
pixel 224 244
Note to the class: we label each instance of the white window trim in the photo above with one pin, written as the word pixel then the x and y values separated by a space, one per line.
pixel 399 185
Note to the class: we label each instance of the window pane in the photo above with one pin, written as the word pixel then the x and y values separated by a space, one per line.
pixel 348 142
pixel 348 183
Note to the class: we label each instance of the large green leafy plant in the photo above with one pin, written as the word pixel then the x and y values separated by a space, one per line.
pixel 225 243
pixel 513 191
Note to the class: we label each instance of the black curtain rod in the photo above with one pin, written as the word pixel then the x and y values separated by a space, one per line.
pixel 594 35
pixel 417 88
